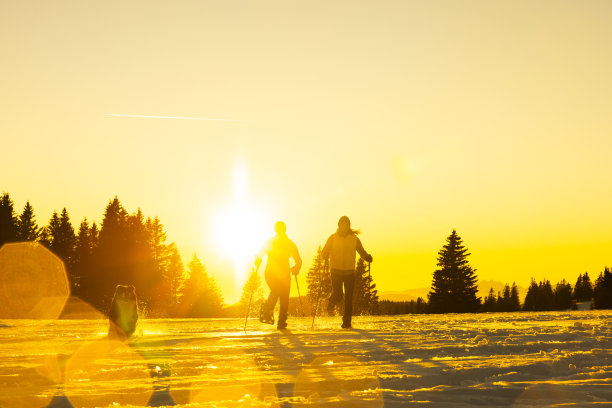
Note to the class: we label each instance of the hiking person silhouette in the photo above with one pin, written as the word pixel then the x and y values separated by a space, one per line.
pixel 340 248
pixel 278 274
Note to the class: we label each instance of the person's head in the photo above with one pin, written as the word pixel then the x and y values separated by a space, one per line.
pixel 280 227
pixel 344 226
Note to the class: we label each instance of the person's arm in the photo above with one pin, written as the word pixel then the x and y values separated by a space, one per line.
pixel 259 255
pixel 362 252
pixel 298 261
pixel 327 248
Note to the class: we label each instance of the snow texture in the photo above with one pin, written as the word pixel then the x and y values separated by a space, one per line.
pixel 463 360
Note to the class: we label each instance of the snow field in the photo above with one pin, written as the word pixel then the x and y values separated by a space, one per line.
pixel 508 359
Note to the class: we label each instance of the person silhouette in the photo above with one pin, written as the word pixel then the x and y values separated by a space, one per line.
pixel 340 248
pixel 278 274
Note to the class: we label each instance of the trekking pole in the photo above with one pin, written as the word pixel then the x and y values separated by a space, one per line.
pixel 246 319
pixel 299 296
pixel 319 296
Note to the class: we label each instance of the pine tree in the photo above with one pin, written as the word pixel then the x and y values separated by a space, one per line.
pixel 563 295
pixel 602 293
pixel 111 256
pixel 200 294
pixel 319 282
pixel 50 231
pixel 160 269
pixel 174 276
pixel 8 220
pixel 60 238
pixel 540 296
pixel 515 302
pixel 252 294
pixel 64 245
pixel 86 242
pixel 490 302
pixel 454 288
pixel 215 300
pixel 547 297
pixel 503 301
pixel 27 229
pixel 583 291
pixel 365 297
pixel 141 270
pixel 531 298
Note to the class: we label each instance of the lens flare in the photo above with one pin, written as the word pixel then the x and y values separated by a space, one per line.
pixel 33 282
pixel 30 383
pixel 107 372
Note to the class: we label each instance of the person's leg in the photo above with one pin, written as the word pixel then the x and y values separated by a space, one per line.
pixel 349 287
pixel 284 288
pixel 270 303
pixel 336 291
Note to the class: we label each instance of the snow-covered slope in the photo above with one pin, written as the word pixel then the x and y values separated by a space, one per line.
pixel 520 360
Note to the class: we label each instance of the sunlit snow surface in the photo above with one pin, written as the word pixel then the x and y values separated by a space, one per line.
pixel 520 360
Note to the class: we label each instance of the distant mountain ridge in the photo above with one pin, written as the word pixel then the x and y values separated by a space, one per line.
pixel 483 290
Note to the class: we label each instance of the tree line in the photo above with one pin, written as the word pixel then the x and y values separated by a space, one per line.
pixel 130 249
pixel 126 249
pixel 454 288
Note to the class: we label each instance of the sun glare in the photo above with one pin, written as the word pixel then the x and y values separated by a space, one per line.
pixel 240 228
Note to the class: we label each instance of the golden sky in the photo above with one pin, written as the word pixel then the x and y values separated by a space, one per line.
pixel 411 117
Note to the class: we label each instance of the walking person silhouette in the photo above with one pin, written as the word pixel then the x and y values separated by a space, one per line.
pixel 340 248
pixel 278 274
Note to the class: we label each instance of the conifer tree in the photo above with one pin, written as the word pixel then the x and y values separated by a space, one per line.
pixel 540 296
pixel 319 282
pixel 86 242
pixel 214 300
pixel 60 238
pixel 50 231
pixel 111 257
pixel 515 302
pixel 365 297
pixel 503 301
pixel 160 255
pixel 65 242
pixel 200 295
pixel 490 302
pixel 252 293
pixel 454 287
pixel 583 290
pixel 602 293
pixel 563 295
pixel 547 296
pixel 174 275
pixel 8 220
pixel 531 297
pixel 27 229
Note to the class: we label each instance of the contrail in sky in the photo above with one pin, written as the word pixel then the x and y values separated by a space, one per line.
pixel 174 117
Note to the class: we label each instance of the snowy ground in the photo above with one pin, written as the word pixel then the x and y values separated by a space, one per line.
pixel 520 360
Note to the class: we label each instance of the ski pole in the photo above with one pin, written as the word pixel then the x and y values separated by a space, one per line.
pixel 320 291
pixel 299 296
pixel 246 319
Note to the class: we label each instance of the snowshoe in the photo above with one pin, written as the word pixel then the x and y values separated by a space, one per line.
pixel 281 326
pixel 346 326
pixel 266 317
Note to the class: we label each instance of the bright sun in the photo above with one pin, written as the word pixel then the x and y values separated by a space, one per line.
pixel 240 228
